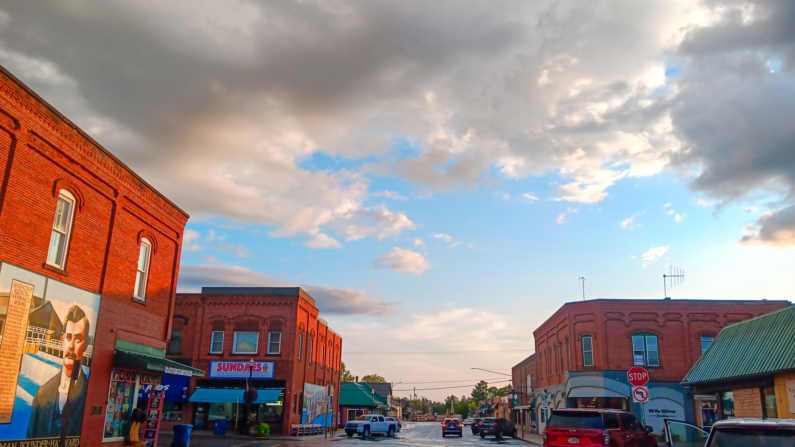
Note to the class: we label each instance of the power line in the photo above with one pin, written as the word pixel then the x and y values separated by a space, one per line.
pixel 456 381
pixel 446 388
pixel 433 352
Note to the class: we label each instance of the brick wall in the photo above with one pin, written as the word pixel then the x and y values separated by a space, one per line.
pixel 678 324
pixel 747 403
pixel 519 373
pixel 41 153
pixel 197 315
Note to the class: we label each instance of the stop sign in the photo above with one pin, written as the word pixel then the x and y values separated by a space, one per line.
pixel 637 376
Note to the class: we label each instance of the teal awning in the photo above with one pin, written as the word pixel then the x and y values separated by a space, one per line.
pixel 225 396
pixel 153 362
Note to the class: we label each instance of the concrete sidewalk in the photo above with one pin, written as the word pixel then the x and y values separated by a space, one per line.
pixel 201 438
pixel 532 438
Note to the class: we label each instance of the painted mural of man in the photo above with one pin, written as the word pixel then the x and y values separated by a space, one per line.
pixel 50 401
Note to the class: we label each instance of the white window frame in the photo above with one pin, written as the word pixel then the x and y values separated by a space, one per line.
pixel 234 343
pixel 142 276
pixel 212 342
pixel 67 235
pixel 644 338
pixel 582 341
pixel 300 345
pixel 270 340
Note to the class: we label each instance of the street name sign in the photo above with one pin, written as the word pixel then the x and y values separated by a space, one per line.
pixel 638 376
pixel 640 394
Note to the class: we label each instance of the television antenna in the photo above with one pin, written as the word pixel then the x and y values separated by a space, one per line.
pixel 675 277
pixel 582 278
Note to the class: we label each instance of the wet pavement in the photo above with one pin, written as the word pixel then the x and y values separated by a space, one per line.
pixel 412 434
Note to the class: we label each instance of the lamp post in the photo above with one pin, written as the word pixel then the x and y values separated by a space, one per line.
pixel 248 400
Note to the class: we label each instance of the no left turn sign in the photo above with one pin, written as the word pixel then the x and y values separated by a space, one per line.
pixel 640 394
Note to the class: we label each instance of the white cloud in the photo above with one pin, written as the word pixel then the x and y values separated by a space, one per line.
pixel 703 203
pixel 627 223
pixel 392 195
pixel 679 218
pixel 401 260
pixel 670 212
pixel 419 243
pixel 653 254
pixel 529 196
pixel 751 209
pixel 331 300
pixel 561 218
pixel 210 236
pixel 667 205
pixel 442 236
pixel 240 251
pixel 320 240
pixel 190 240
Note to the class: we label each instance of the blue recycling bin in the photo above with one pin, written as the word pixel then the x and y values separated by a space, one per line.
pixel 182 435
pixel 220 427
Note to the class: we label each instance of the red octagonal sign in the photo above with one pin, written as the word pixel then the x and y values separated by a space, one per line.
pixel 638 376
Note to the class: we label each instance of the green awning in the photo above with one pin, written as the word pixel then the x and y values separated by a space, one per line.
pixel 226 396
pixel 136 356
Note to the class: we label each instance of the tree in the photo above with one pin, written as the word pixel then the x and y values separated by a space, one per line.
pixel 480 392
pixel 373 378
pixel 345 375
pixel 500 391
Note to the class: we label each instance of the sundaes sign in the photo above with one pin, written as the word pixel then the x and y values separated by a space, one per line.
pixel 240 370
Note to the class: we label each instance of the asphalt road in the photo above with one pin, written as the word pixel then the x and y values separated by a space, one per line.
pixel 424 434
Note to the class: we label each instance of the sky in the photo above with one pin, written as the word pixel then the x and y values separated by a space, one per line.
pixel 439 175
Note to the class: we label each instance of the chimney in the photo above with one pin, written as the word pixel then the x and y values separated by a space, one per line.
pixel 357 378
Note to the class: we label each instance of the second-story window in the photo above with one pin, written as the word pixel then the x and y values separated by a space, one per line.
pixel 587 351
pixel 175 345
pixel 300 345
pixel 645 351
pixel 274 343
pixel 217 342
pixel 142 274
pixel 245 343
pixel 61 230
pixel 323 356
pixel 311 351
pixel 706 342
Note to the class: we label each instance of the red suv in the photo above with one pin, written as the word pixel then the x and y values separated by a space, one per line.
pixel 592 427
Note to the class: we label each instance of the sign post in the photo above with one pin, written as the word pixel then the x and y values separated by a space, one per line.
pixel 639 377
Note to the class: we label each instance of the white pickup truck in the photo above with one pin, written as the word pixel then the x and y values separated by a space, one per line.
pixel 369 424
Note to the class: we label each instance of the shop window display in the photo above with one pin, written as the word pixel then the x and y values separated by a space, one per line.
pixel 121 402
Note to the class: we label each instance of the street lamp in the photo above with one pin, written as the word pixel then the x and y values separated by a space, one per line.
pixel 373 393
pixel 247 398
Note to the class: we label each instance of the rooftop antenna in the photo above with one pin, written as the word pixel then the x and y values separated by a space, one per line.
pixel 582 278
pixel 675 277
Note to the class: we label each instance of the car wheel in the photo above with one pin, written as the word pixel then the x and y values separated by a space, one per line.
pixel 482 435
pixel 350 435
pixel 391 432
pixel 461 435
pixel 366 432
pixel 498 435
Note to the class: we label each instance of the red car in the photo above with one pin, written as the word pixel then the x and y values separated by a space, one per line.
pixel 591 427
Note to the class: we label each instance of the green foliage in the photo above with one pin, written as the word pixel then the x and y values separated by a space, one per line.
pixel 264 429
pixel 481 391
pixel 500 391
pixel 373 378
pixel 345 375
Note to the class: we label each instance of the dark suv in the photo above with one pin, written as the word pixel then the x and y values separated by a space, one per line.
pixel 583 426
pixel 497 427
pixel 474 425
pixel 452 426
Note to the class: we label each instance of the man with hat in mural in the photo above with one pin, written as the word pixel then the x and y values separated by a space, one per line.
pixel 50 403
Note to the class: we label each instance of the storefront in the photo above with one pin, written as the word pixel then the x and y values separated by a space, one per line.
pixel 221 396
pixel 137 381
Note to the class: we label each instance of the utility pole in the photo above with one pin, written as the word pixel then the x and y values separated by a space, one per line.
pixel 582 278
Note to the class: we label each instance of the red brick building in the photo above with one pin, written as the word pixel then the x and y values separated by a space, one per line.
pixel 524 381
pixel 278 327
pixel 88 270
pixel 585 349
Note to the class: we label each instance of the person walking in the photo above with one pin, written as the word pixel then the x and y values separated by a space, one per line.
pixel 138 417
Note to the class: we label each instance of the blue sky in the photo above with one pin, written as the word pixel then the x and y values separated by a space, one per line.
pixel 439 177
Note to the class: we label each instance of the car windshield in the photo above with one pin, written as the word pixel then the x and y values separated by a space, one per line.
pixel 575 419
pixel 741 437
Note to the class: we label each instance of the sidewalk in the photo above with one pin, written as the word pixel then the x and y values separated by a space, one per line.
pixel 201 438
pixel 532 438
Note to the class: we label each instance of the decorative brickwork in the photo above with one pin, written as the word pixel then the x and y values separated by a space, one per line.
pixel 747 403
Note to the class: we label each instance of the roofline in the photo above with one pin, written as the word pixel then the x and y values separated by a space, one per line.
pixel 734 378
pixel 88 137
pixel 783 309
pixel 523 360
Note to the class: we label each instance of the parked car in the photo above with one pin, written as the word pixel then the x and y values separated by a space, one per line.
pixel 732 432
pixel 590 426
pixel 467 422
pixel 368 424
pixel 498 427
pixel 399 424
pixel 452 426
pixel 474 425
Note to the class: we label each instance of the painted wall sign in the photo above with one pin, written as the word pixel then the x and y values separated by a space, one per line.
pixel 790 384
pixel 240 370
pixel 48 340
pixel 315 411
pixel 177 371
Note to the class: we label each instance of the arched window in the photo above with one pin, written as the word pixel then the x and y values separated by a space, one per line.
pixel 645 350
pixel 142 273
pixel 587 350
pixel 61 229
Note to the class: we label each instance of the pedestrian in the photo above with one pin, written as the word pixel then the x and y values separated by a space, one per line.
pixel 138 417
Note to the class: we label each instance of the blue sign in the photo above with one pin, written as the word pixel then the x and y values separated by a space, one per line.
pixel 175 389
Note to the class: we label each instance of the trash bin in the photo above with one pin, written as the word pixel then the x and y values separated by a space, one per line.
pixel 182 435
pixel 220 427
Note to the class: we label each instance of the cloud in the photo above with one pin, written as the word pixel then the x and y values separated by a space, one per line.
pixel 443 237
pixel 653 254
pixel 776 228
pixel 751 209
pixel 627 223
pixel 561 218
pixel 703 203
pixel 190 240
pixel 670 212
pixel 390 195
pixel 419 243
pixel 667 205
pixel 240 251
pixel 404 261
pixel 329 300
pixel 529 196
pixel 679 218
pixel 376 222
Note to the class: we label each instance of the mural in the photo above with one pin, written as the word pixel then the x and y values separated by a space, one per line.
pixel 46 342
pixel 315 410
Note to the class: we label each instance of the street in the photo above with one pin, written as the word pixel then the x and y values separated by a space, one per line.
pixel 413 433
